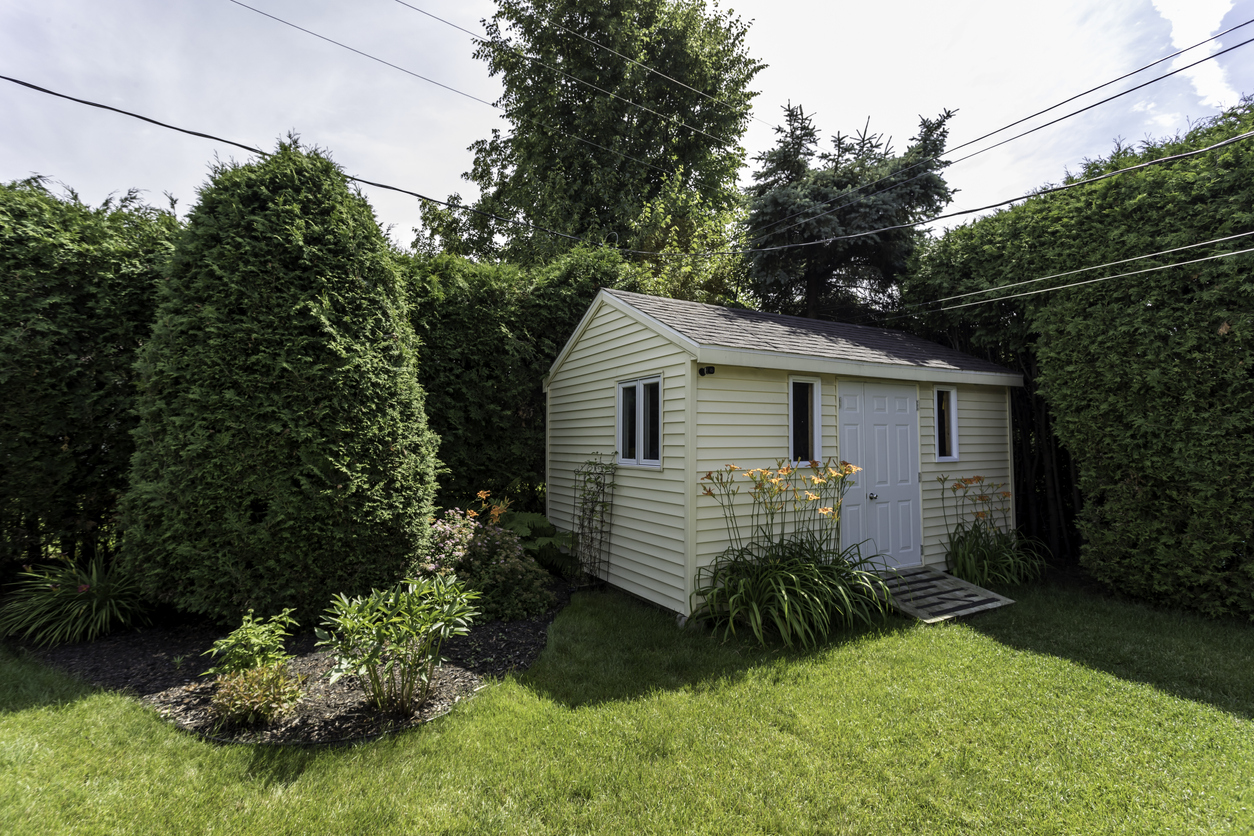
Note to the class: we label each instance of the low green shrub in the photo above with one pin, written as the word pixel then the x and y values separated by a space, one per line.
pixel 255 695
pixel 979 550
pixel 390 640
pixel 788 578
pixel 66 602
pixel 252 644
pixel 489 560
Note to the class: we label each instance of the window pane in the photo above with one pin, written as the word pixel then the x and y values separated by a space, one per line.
pixel 652 422
pixel 944 438
pixel 628 416
pixel 802 417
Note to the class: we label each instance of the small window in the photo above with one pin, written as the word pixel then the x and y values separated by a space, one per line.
pixel 640 422
pixel 804 429
pixel 946 425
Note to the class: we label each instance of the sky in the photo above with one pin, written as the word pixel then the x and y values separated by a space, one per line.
pixel 219 68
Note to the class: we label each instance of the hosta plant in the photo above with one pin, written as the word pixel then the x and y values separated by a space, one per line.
pixel 66 602
pixel 390 640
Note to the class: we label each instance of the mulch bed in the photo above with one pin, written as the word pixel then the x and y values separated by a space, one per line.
pixel 161 667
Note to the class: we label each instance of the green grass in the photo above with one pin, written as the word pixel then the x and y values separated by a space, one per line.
pixel 1065 713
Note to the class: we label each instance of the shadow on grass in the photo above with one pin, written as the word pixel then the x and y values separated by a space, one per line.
pixel 25 683
pixel 610 647
pixel 1186 655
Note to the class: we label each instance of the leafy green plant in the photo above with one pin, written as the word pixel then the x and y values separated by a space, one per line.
pixel 255 695
pixel 490 560
pixel 978 549
pixel 252 644
pixel 787 575
pixel 390 640
pixel 66 602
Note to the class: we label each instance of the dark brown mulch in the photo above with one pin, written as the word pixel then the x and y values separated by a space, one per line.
pixel 161 666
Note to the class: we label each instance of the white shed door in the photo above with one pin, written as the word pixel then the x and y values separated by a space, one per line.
pixel 879 432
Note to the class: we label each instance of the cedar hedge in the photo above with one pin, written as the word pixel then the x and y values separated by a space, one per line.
pixel 282 454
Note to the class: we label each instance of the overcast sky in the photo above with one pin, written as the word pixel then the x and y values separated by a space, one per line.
pixel 213 66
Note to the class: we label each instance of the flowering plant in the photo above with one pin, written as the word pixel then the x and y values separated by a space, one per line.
pixel 802 499
pixel 788 575
pixel 982 547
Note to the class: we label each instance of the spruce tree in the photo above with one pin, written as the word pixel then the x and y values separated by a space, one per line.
pixel 283 453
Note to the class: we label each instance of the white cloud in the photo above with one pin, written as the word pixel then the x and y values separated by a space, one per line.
pixel 1192 21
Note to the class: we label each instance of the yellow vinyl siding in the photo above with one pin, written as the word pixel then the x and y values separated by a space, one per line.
pixel 647 528
pixel 742 419
pixel 983 450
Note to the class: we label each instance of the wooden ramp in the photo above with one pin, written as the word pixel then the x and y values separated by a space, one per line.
pixel 932 596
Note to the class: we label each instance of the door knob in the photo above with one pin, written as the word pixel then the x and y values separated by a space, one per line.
pixel 873 496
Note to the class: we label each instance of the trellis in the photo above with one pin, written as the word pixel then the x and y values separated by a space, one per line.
pixel 594 484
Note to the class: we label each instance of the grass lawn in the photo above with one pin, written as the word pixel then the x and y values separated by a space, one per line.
pixel 1065 713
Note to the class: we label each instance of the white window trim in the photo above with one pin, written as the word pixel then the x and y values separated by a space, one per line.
pixel 639 384
pixel 953 423
pixel 816 419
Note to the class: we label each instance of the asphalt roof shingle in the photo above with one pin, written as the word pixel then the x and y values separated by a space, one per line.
pixel 711 325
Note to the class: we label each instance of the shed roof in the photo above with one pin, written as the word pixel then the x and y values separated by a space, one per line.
pixel 713 334
pixel 711 325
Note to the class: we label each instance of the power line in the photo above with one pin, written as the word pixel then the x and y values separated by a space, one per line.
pixel 622 250
pixel 1101 278
pixel 551 68
pixel 447 87
pixel 1051 190
pixel 1019 122
pixel 1087 269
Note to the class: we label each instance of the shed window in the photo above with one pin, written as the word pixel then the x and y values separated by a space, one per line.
pixel 804 425
pixel 946 425
pixel 640 422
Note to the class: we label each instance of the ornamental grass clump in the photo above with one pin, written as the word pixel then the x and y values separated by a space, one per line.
pixel 785 574
pixel 65 602
pixel 978 549
pixel 390 640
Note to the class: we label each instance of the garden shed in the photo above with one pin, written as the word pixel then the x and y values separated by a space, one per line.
pixel 672 390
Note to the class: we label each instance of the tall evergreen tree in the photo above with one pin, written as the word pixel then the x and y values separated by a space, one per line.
pixel 283 453
pixel 580 157
pixel 802 195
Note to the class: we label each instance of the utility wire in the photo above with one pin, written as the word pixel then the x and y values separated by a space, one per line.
pixel 1087 269
pixel 1101 279
pixel 504 46
pixel 625 251
pixel 455 207
pixel 447 87
pixel 1019 122
pixel 1051 190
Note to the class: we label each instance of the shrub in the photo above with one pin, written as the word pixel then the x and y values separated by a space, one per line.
pixel 491 561
pixel 282 454
pixel 251 645
pixel 77 298
pixel 65 602
pixel 255 695
pixel 787 575
pixel 978 549
pixel 390 640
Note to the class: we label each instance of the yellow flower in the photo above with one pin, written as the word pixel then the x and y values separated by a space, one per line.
pixel 811 496
pixel 818 480
pixel 983 497
pixel 825 511
pixel 484 494
pixel 471 513
pixel 1005 494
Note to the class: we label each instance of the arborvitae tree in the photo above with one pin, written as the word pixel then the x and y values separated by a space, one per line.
pixel 283 453
pixel 77 289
